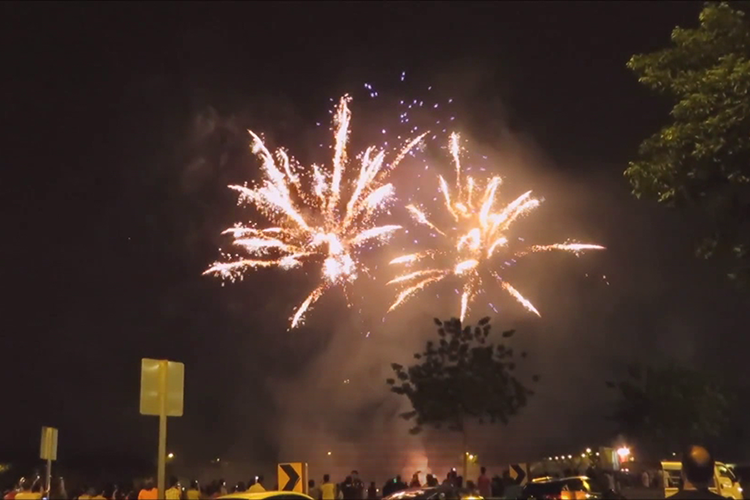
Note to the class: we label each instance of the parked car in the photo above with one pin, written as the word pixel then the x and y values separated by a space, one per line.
pixel 443 492
pixel 568 488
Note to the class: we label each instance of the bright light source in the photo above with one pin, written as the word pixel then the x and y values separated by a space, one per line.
pixel 170 455
pixel 588 450
pixel 329 453
pixel 583 455
pixel 570 456
pixel 623 452
pixel 557 458
pixel 597 453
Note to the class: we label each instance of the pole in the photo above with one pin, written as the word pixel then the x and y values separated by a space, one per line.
pixel 49 477
pixel 161 463
pixel 466 455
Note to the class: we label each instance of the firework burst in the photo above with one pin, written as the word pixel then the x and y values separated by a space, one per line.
pixel 313 224
pixel 479 233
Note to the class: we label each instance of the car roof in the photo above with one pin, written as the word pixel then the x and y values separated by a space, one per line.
pixel 559 480
pixel 261 495
pixel 676 463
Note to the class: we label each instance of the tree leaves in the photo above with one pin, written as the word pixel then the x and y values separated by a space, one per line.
pixel 462 377
pixel 666 407
pixel 702 157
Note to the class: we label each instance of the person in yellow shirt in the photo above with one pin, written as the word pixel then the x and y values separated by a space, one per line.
pixel 257 486
pixel 100 496
pixel 149 492
pixel 328 489
pixel 173 492
pixel 194 493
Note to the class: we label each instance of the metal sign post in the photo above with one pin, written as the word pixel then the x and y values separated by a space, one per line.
pixel 48 451
pixel 162 395
pixel 161 466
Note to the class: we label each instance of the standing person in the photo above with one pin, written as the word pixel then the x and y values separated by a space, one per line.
pixel 312 490
pixel 99 496
pixel 173 492
pixel 697 473
pixel 372 491
pixel 149 491
pixel 415 481
pixel 400 484
pixel 347 489
pixel 484 484
pixel 194 493
pixel 358 487
pixel 58 490
pixel 327 489
pixel 498 488
pixel 388 487
pixel 257 487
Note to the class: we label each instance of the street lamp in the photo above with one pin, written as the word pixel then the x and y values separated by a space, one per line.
pixel 170 455
pixel 588 450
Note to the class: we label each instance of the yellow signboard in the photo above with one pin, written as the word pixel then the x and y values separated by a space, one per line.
pixel 293 477
pixel 48 449
pixel 161 376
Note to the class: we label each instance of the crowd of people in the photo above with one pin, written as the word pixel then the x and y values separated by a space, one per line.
pixel 697 473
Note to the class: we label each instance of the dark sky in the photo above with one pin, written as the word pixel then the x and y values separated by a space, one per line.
pixel 109 220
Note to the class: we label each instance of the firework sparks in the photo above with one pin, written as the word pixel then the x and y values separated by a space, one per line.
pixel 480 233
pixel 313 226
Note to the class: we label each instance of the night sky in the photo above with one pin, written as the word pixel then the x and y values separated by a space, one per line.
pixel 122 127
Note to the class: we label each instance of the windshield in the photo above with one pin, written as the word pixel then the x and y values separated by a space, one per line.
pixel 538 490
pixel 423 494
pixel 673 479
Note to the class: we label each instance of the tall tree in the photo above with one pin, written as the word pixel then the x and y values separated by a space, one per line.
pixel 702 157
pixel 461 377
pixel 665 408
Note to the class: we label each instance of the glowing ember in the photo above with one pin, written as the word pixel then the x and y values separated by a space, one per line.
pixel 479 235
pixel 312 226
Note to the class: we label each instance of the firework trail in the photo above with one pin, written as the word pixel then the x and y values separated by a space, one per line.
pixel 480 232
pixel 313 225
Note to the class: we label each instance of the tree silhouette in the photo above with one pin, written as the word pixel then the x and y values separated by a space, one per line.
pixel 702 157
pixel 461 377
pixel 666 408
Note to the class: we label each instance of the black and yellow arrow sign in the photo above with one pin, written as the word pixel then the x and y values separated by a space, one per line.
pixel 518 473
pixel 293 477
